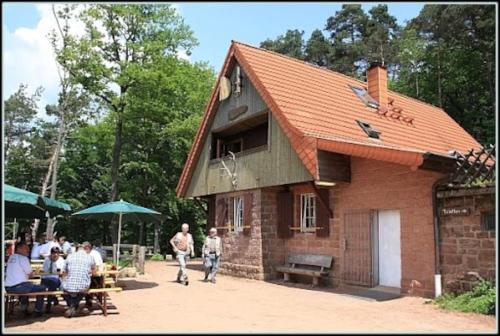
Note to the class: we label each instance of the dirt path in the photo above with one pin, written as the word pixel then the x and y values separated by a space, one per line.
pixel 154 302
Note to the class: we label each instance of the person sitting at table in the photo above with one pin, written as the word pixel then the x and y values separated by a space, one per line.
pixel 35 250
pixel 76 278
pixel 98 248
pixel 96 280
pixel 65 246
pixel 17 275
pixel 45 249
pixel 53 265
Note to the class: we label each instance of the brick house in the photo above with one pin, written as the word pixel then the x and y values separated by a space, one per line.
pixel 292 157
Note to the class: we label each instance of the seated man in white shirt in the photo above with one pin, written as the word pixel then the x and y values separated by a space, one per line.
pixel 17 275
pixel 65 246
pixel 53 265
pixel 35 250
pixel 96 280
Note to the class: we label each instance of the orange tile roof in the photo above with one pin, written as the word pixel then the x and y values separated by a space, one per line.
pixel 317 109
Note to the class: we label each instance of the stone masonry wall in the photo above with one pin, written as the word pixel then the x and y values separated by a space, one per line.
pixel 242 254
pixel 465 245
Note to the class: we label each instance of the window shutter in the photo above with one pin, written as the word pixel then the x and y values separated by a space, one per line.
pixel 211 213
pixel 221 213
pixel 285 214
pixel 322 215
pixel 247 213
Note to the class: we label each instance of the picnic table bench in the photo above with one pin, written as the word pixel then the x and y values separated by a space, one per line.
pixel 102 294
pixel 313 265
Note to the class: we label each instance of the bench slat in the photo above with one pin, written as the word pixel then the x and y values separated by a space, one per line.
pixel 91 291
pixel 284 269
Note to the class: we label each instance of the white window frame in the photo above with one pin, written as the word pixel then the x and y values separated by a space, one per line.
pixel 238 213
pixel 307 212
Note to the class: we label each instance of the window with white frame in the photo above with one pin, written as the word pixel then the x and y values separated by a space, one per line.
pixel 238 214
pixel 307 211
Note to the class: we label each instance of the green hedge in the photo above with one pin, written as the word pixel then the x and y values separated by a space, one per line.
pixel 481 299
pixel 157 257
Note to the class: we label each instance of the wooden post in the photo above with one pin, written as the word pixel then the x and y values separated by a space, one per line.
pixel 114 254
pixel 142 259
pixel 157 238
pixel 134 254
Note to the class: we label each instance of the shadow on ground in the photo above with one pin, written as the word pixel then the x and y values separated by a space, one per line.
pixel 131 284
pixel 18 319
pixel 370 294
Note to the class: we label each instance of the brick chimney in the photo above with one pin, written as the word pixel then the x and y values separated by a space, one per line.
pixel 377 83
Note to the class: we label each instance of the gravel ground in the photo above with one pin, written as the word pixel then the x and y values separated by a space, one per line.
pixel 154 302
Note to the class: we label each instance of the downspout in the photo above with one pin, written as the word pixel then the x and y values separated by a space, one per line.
pixel 437 271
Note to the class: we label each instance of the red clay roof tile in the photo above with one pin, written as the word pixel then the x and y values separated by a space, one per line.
pixel 316 108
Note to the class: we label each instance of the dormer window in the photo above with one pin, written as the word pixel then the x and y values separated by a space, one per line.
pixel 364 96
pixel 368 129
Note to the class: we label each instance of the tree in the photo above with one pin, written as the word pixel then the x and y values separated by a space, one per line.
pixel 120 42
pixel 459 64
pixel 318 49
pixel 290 44
pixel 20 110
pixel 380 41
pixel 412 53
pixel 347 32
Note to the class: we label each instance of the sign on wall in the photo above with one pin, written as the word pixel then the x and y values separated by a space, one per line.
pixel 455 211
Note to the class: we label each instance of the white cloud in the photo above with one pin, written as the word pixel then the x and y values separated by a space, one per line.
pixel 29 59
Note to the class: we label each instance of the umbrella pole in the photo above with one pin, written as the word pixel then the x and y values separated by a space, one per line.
pixel 118 245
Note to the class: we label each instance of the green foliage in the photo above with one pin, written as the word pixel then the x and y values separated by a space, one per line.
pixel 481 299
pixel 291 44
pixel 157 257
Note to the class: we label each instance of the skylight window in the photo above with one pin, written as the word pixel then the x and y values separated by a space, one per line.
pixel 365 97
pixel 368 129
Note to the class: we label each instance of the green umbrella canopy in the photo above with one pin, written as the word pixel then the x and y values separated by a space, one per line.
pixel 20 203
pixel 110 211
pixel 121 210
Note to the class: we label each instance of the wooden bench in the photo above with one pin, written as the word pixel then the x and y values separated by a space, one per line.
pixel 313 265
pixel 102 294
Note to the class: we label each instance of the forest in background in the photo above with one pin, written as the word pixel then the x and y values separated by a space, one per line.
pixel 129 108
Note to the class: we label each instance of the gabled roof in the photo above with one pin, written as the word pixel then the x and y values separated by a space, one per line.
pixel 317 109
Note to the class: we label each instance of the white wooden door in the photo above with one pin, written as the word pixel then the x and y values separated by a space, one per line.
pixel 389 248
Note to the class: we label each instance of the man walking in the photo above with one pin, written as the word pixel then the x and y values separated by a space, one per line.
pixel 78 270
pixel 183 246
pixel 211 252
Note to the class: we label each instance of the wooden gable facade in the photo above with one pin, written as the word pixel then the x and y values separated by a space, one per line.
pixel 265 148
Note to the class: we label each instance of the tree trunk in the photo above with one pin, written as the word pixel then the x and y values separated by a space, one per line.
pixel 34 228
pixel 416 82
pixel 440 99
pixel 157 238
pixel 115 164
pixel 141 233
pixel 55 166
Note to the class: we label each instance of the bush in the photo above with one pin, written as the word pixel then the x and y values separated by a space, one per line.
pixel 156 257
pixel 481 299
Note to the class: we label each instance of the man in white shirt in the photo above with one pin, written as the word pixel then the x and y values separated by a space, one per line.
pixel 35 250
pixel 65 246
pixel 183 245
pixel 96 280
pixel 45 249
pixel 17 275
pixel 211 251
pixel 53 265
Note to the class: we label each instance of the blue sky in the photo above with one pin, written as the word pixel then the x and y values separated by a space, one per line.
pixel 27 54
